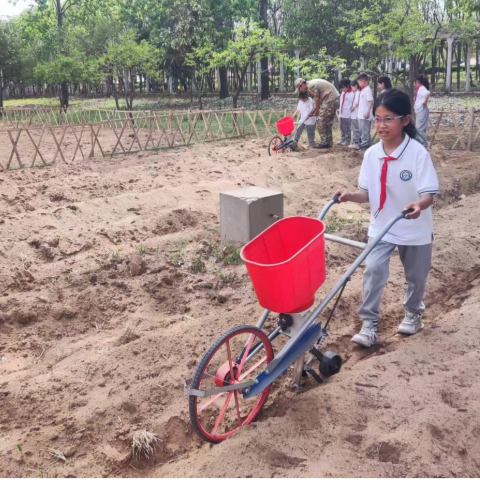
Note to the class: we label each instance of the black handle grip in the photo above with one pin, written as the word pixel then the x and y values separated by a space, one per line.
pixel 408 211
pixel 336 198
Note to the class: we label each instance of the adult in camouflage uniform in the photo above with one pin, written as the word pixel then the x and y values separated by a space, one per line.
pixel 325 95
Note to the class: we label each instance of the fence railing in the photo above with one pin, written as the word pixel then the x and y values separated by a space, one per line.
pixel 28 146
pixel 46 136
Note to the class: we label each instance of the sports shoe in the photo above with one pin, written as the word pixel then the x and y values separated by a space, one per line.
pixel 355 146
pixel 411 324
pixel 368 335
pixel 323 146
pixel 340 143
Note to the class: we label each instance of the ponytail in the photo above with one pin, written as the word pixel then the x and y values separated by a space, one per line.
pixel 399 103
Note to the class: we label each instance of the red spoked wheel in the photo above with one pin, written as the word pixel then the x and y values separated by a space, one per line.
pixel 218 416
pixel 274 146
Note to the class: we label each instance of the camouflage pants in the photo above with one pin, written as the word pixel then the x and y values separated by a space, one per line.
pixel 325 119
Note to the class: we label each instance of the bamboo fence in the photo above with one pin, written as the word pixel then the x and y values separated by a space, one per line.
pixel 41 137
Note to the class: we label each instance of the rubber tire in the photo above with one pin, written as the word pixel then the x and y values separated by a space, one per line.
pixel 270 146
pixel 201 368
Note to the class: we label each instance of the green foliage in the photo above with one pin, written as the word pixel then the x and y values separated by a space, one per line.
pixel 320 65
pixel 75 68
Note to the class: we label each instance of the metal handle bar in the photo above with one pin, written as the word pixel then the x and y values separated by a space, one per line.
pixel 313 316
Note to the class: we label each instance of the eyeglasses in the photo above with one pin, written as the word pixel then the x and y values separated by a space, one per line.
pixel 386 120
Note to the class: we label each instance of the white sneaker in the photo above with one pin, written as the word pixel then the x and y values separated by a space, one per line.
pixel 368 335
pixel 340 143
pixel 354 146
pixel 411 324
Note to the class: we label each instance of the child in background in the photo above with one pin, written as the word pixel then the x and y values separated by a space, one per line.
pixel 345 111
pixel 384 84
pixel 354 116
pixel 365 111
pixel 422 113
pixel 397 173
pixel 304 108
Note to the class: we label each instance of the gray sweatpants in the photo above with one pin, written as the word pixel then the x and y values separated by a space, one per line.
pixel 421 122
pixel 365 133
pixel 310 134
pixel 416 260
pixel 346 129
pixel 356 132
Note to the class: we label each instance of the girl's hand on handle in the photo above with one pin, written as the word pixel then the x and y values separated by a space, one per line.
pixel 342 197
pixel 416 210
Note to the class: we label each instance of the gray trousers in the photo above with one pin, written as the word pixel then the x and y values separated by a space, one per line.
pixel 346 129
pixel 416 260
pixel 310 134
pixel 356 132
pixel 365 133
pixel 421 122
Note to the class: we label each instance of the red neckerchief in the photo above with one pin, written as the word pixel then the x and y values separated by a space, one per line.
pixel 383 178
pixel 343 99
pixel 416 93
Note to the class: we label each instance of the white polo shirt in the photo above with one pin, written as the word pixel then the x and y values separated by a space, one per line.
pixel 366 96
pixel 305 108
pixel 422 95
pixel 408 177
pixel 346 101
pixel 356 100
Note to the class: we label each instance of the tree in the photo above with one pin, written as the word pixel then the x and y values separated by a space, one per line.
pixel 130 58
pixel 249 41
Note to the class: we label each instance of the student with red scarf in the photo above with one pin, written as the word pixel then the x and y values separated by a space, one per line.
pixel 397 173
pixel 345 112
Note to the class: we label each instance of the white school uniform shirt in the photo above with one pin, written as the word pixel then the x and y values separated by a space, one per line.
pixel 346 101
pixel 408 177
pixel 356 101
pixel 305 108
pixel 422 94
pixel 366 96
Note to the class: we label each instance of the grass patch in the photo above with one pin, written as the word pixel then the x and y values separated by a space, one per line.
pixel 143 444
pixel 337 224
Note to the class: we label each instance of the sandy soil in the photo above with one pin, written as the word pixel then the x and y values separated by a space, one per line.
pixel 104 311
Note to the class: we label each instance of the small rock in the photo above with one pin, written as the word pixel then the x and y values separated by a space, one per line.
pixel 387 405
pixel 53 242
pixel 29 208
pixel 136 265
pixel 69 451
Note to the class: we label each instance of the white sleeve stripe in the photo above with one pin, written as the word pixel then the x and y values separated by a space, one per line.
pixel 432 191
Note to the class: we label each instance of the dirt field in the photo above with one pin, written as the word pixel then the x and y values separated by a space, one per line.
pixel 113 286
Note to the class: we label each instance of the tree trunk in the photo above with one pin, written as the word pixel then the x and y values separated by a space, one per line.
pixel 265 92
pixel 64 86
pixel 413 74
pixel 434 67
pixel 114 91
pixel 459 61
pixel 197 88
pixel 223 82
pixel 64 95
